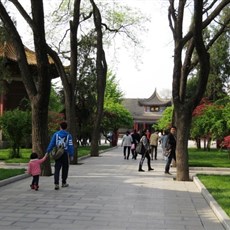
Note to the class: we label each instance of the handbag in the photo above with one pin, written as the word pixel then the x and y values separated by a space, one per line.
pixel 132 146
pixel 167 152
pixel 140 148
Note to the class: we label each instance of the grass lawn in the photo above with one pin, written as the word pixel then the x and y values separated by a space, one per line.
pixel 219 187
pixel 25 157
pixel 212 158
pixel 25 154
pixel 7 173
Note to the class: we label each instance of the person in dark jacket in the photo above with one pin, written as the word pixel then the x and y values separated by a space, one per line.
pixel 136 139
pixel 63 161
pixel 145 153
pixel 171 145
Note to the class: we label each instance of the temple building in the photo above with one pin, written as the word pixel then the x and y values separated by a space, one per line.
pixel 12 90
pixel 146 112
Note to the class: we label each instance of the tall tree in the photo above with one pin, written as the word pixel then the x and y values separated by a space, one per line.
pixel 101 70
pixel 204 13
pixel 38 88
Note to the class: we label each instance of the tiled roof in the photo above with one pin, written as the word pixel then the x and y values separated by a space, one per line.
pixel 154 100
pixel 138 111
pixel 7 50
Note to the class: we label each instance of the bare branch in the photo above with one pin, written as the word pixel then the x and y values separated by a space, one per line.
pixel 23 13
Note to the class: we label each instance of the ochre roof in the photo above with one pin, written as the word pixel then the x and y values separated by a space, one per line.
pixel 7 50
pixel 154 100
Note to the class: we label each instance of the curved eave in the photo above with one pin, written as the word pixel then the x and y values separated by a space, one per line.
pixel 8 51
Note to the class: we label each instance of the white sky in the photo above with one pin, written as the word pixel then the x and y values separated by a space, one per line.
pixel 154 69
pixel 156 63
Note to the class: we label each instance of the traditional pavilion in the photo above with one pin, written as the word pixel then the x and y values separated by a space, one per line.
pixel 12 90
pixel 146 112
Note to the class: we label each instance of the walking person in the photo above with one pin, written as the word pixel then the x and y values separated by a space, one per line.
pixel 136 139
pixel 144 153
pixel 126 143
pixel 171 147
pixel 34 169
pixel 154 144
pixel 163 140
pixel 63 161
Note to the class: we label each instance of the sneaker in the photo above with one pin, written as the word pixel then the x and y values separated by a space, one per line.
pixel 36 187
pixel 151 169
pixel 65 185
pixel 168 173
pixel 56 187
pixel 141 170
pixel 32 186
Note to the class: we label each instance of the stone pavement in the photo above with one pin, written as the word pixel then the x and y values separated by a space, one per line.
pixel 108 193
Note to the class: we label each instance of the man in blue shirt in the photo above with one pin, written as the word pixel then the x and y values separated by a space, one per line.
pixel 63 161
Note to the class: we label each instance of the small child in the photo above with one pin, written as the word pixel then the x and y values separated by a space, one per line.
pixel 34 169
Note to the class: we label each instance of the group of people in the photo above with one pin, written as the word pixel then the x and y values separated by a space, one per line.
pixel 149 143
pixel 62 163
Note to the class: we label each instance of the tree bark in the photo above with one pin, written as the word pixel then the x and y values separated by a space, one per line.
pixel 101 70
pixel 192 41
pixel 183 119
pixel 38 88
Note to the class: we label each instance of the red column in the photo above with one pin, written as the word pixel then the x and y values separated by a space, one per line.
pixel 1 104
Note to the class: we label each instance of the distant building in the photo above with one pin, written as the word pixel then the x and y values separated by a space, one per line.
pixel 146 112
pixel 12 89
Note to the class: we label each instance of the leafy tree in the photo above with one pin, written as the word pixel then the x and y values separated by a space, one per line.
pixel 165 121
pixel 16 126
pixel 193 45
pixel 209 122
pixel 55 102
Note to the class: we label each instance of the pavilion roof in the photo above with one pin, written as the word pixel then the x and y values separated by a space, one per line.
pixel 8 51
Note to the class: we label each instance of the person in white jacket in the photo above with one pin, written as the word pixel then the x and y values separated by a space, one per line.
pixel 126 143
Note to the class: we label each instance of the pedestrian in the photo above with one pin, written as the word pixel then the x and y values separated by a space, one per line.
pixel 145 153
pixel 163 140
pixel 34 169
pixel 63 162
pixel 136 139
pixel 171 147
pixel 154 144
pixel 126 143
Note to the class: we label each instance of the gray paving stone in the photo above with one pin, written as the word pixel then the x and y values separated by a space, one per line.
pixel 107 192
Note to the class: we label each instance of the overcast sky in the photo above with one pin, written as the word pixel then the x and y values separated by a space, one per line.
pixel 154 67
pixel 156 63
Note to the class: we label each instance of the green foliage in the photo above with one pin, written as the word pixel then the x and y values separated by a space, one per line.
pixel 213 121
pixel 116 116
pixel 112 91
pixel 166 120
pixel 16 127
pixel 55 102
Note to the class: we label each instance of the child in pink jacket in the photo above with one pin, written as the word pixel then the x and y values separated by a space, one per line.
pixel 34 169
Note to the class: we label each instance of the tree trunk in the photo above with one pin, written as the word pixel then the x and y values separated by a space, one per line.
pixel 101 70
pixel 70 105
pixel 183 118
pixel 40 132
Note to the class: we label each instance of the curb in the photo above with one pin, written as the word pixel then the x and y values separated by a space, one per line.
pixel 219 212
pixel 13 179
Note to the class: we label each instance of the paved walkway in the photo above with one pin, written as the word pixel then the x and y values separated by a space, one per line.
pixel 107 193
